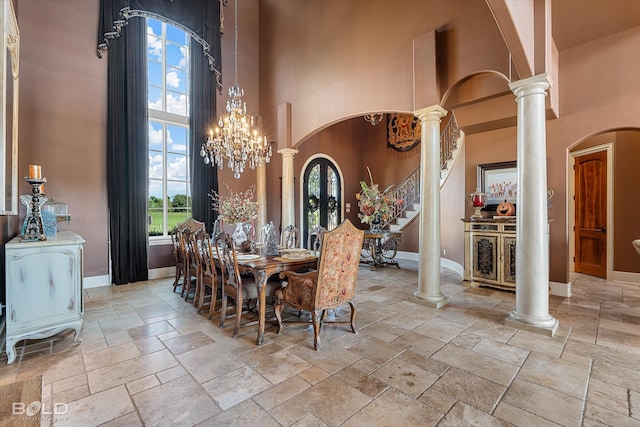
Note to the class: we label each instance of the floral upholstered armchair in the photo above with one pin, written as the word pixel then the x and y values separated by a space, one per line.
pixel 331 285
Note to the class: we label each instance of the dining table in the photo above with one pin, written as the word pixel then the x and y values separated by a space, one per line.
pixel 263 266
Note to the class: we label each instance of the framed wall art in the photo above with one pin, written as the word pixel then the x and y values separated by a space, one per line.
pixel 499 182
pixel 403 131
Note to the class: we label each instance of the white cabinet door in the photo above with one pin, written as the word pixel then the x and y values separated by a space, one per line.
pixel 43 287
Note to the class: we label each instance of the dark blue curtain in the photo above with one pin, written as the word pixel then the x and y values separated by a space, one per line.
pixel 204 178
pixel 127 158
pixel 123 33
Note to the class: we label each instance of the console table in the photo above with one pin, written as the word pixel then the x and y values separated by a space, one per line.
pixel 379 248
pixel 490 253
pixel 43 288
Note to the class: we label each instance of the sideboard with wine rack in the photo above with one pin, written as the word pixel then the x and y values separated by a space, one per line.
pixel 490 253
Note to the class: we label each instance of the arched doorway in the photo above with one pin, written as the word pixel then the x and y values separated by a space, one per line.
pixel 321 195
pixel 618 225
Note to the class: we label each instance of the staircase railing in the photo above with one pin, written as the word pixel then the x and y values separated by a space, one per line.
pixel 409 190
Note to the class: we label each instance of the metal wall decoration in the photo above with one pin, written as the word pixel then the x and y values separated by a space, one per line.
pixel 403 131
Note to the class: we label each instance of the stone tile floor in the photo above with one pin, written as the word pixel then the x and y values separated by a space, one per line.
pixel 147 358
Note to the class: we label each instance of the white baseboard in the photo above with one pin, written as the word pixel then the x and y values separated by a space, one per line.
pixel 160 273
pixel 626 277
pixel 411 256
pixel 560 289
pixel 95 281
pixel 452 265
pixel 154 273
pixel 444 262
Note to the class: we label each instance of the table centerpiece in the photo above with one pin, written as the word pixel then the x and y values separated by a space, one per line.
pixel 237 208
pixel 376 206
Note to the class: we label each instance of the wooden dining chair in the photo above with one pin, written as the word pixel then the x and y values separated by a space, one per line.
pixel 331 285
pixel 290 237
pixel 178 256
pixel 239 288
pixel 207 274
pixel 314 239
pixel 180 251
pixel 190 267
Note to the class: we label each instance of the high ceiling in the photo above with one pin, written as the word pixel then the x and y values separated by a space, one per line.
pixel 580 21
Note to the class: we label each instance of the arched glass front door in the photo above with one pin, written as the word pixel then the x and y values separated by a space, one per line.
pixel 322 195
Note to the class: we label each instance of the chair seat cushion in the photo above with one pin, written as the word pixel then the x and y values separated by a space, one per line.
pixel 250 289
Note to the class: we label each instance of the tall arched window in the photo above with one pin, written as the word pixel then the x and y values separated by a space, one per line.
pixel 322 195
pixel 168 91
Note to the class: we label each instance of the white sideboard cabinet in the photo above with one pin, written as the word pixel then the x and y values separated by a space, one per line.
pixel 490 253
pixel 43 288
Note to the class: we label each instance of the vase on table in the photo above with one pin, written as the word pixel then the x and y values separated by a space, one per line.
pixel 239 234
pixel 375 222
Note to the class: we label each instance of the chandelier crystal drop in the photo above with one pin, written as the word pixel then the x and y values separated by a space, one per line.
pixel 236 140
pixel 374 119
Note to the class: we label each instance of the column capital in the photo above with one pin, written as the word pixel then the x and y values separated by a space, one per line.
pixel 433 112
pixel 531 85
pixel 288 152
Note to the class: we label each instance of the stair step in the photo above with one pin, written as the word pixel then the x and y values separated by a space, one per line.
pixel 403 221
pixel 395 227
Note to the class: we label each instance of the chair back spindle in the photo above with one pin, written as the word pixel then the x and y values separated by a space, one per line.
pixel 314 240
pixel 290 237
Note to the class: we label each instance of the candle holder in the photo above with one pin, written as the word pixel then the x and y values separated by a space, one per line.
pixel 35 227
pixel 477 200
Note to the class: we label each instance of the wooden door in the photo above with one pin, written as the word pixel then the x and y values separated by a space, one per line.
pixel 591 214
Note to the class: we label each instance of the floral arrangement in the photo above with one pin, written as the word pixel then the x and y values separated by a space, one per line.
pixel 236 207
pixel 375 205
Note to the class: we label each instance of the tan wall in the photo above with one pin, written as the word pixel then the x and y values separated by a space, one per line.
pixel 342 143
pixel 355 144
pixel 63 87
pixel 453 202
pixel 63 112
pixel 333 60
pixel 626 204
pixel 626 174
pixel 326 81
pixel 590 103
pixel 329 70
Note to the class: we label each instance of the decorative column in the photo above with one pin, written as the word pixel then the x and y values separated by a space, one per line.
pixel 429 245
pixel 261 196
pixel 532 238
pixel 288 189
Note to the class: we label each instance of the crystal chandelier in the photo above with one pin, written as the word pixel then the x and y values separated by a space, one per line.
pixel 236 140
pixel 374 119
